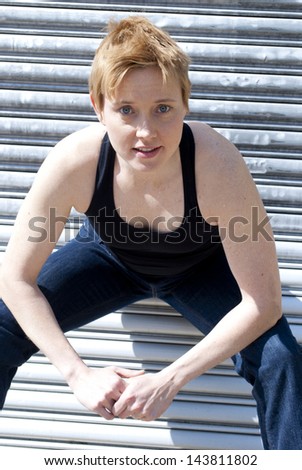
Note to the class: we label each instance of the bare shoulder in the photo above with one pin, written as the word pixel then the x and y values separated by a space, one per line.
pixel 221 172
pixel 214 150
pixel 72 164
pixel 80 147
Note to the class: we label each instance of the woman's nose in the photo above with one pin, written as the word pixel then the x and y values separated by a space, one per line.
pixel 145 129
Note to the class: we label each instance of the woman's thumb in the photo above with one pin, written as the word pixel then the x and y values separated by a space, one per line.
pixel 128 373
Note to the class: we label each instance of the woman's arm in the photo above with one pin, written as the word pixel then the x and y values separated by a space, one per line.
pixel 229 198
pixel 66 179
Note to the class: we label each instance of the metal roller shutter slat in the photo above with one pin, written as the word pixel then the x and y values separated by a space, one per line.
pixel 246 77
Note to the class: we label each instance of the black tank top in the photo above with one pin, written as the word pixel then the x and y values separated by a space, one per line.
pixel 147 251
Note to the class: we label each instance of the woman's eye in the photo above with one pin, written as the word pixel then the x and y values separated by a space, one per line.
pixel 126 110
pixel 163 108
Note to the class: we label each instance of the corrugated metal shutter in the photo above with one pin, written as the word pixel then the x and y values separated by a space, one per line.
pixel 246 66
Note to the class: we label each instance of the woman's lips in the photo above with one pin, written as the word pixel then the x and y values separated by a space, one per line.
pixel 146 152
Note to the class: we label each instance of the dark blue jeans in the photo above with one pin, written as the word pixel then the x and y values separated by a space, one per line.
pixel 83 281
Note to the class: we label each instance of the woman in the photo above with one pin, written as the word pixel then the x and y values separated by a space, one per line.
pixel 172 212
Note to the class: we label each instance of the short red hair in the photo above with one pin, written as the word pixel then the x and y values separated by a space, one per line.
pixel 132 43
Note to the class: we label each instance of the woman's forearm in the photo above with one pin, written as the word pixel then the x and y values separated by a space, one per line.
pixel 240 327
pixel 96 389
pixel 35 316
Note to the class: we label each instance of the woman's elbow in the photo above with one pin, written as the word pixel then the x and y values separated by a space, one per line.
pixel 11 282
pixel 266 309
pixel 270 310
pixel 5 282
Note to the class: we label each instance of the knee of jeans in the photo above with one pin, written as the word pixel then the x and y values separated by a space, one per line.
pixel 6 377
pixel 15 346
pixel 274 351
pixel 282 353
pixel 280 346
pixel 14 350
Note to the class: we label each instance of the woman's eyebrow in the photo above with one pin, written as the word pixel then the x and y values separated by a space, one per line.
pixel 160 100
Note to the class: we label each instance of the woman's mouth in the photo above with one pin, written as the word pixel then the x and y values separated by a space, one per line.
pixel 146 152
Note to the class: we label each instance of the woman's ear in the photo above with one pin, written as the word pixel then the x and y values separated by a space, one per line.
pixel 96 109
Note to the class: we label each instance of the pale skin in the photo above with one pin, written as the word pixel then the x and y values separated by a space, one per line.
pixel 144 122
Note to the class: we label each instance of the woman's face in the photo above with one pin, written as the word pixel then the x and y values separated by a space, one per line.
pixel 144 119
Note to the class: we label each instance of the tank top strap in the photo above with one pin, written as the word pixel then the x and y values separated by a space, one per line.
pixel 103 191
pixel 187 156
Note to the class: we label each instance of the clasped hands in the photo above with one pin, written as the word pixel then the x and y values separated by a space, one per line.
pixel 117 392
